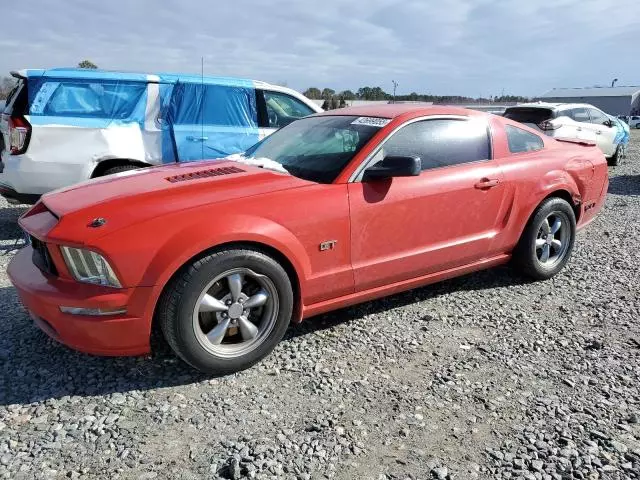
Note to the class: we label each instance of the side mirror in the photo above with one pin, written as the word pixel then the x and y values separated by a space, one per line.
pixel 608 123
pixel 393 166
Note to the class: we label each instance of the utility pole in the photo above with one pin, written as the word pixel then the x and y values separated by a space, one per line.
pixel 395 85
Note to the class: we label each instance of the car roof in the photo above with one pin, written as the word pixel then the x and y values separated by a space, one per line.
pixel 394 110
pixel 552 106
pixel 163 77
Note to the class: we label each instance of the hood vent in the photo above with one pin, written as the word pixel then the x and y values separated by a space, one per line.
pixel 212 172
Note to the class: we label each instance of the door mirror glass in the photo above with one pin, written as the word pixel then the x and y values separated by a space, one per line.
pixel 394 166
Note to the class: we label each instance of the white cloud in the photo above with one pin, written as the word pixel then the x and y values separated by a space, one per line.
pixel 456 47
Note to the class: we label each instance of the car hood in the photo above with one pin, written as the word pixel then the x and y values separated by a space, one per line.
pixel 138 195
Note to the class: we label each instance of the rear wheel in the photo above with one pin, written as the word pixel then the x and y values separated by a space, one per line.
pixel 227 311
pixel 547 241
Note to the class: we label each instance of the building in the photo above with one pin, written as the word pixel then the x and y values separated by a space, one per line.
pixel 612 100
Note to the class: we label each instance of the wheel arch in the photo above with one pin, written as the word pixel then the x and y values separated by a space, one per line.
pixel 559 191
pixel 565 195
pixel 289 265
pixel 107 163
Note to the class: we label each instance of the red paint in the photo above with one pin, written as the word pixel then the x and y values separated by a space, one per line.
pixel 390 235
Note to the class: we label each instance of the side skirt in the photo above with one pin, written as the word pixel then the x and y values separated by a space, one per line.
pixel 383 291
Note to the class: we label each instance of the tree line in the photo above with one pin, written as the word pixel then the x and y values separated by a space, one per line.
pixel 333 99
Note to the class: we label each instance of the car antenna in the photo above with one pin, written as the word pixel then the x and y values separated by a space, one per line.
pixel 202 108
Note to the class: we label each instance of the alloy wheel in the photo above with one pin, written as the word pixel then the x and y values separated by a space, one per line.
pixel 235 312
pixel 552 241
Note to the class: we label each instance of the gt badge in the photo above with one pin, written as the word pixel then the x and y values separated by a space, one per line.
pixel 328 245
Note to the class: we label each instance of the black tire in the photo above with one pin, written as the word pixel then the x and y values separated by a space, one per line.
pixel 615 160
pixel 526 255
pixel 176 309
pixel 119 169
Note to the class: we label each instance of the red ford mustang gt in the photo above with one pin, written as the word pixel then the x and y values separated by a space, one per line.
pixel 332 210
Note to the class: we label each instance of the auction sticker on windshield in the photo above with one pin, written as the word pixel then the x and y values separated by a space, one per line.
pixel 371 121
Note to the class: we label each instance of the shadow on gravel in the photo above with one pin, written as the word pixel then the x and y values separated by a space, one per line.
pixel 625 185
pixel 483 280
pixel 34 368
pixel 9 229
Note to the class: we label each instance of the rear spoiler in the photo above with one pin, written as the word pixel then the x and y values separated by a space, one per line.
pixel 19 74
pixel 579 141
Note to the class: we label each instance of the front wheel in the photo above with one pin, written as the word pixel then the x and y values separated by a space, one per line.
pixel 547 241
pixel 615 160
pixel 226 311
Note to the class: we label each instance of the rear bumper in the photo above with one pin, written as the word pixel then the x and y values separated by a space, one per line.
pixel 27 176
pixel 14 197
pixel 118 335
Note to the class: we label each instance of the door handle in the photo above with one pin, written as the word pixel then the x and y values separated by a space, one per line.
pixel 598 132
pixel 191 138
pixel 486 183
pixel 579 129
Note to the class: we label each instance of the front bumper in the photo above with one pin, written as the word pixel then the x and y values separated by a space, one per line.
pixel 118 335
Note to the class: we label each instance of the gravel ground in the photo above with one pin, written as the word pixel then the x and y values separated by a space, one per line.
pixel 485 376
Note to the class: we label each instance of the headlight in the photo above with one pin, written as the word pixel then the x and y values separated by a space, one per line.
pixel 89 267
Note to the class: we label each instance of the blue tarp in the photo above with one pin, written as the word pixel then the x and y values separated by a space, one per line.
pixel 86 103
pixel 209 120
pixel 208 117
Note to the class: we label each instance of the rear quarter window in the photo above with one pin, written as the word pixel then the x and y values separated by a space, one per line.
pixel 521 141
pixel 115 100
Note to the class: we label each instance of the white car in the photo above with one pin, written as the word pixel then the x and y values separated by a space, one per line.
pixel 63 126
pixel 572 120
pixel 634 121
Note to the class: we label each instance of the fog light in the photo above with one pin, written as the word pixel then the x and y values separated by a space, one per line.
pixel 94 312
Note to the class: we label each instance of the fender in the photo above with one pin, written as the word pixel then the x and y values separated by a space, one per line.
pixel 557 180
pixel 198 238
pixel 554 181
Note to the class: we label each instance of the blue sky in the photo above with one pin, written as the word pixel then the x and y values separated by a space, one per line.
pixel 452 47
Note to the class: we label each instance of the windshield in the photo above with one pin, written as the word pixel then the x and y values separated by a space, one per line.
pixel 315 148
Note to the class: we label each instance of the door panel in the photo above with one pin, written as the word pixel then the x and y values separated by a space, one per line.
pixel 603 135
pixel 212 121
pixel 406 227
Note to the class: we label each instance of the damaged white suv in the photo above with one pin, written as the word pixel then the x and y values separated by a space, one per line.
pixel 63 126
pixel 574 121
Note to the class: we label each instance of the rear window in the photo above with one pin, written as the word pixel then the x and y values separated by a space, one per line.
pixel 17 101
pixel 528 114
pixel 103 99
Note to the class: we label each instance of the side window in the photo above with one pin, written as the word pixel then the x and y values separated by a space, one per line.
pixel 567 113
pixel 213 105
pixel 116 100
pixel 282 109
pixel 229 106
pixel 580 115
pixel 522 141
pixel 440 142
pixel 597 117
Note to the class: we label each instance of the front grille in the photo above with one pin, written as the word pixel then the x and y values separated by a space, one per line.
pixel 41 257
